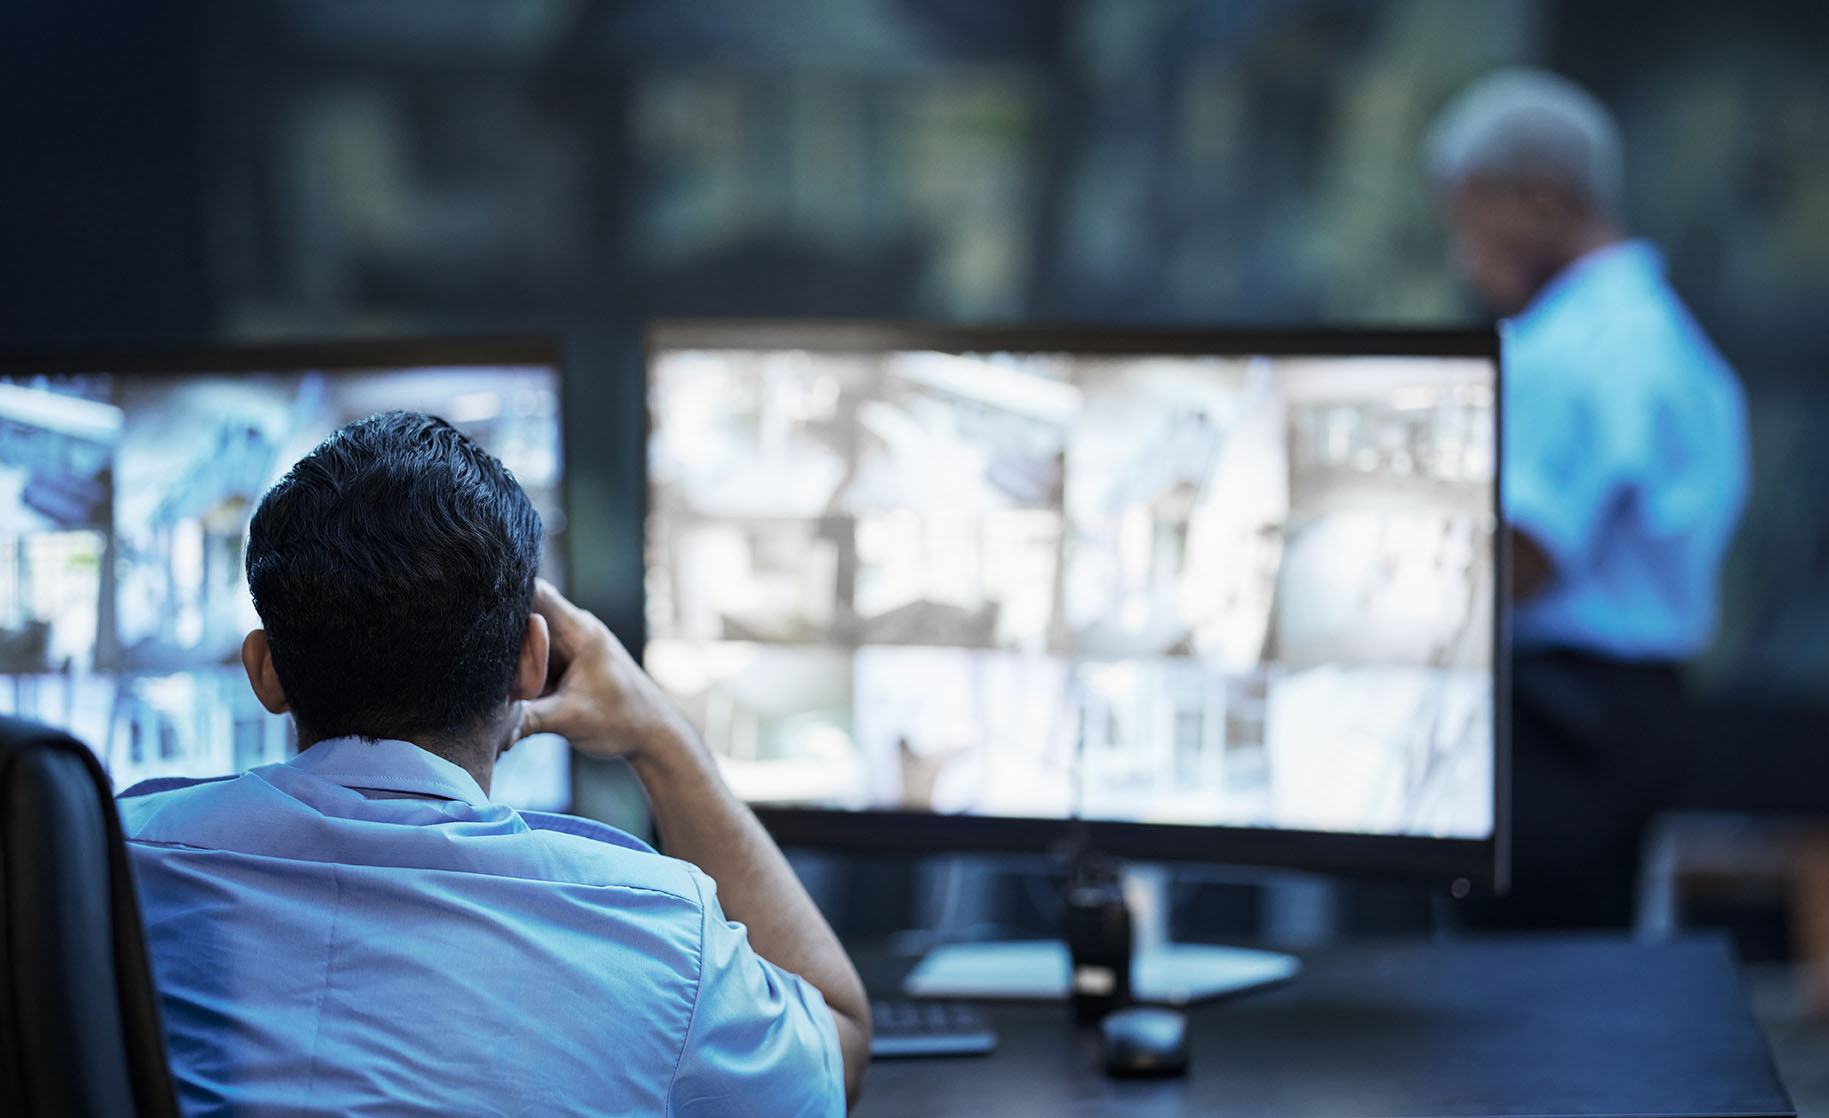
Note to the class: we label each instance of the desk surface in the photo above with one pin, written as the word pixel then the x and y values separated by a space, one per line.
pixel 1512 1026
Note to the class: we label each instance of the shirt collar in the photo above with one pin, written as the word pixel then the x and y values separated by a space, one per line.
pixel 389 765
pixel 1621 258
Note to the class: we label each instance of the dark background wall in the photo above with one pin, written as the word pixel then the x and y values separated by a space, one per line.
pixel 180 169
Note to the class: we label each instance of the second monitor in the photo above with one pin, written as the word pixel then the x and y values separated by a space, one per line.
pixel 1223 596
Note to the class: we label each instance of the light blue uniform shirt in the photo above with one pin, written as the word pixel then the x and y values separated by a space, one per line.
pixel 1625 458
pixel 321 952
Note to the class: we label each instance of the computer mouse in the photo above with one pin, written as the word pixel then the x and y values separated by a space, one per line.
pixel 1144 1040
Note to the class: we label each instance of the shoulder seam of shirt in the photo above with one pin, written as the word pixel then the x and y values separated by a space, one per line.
pixel 698 990
pixel 136 840
pixel 617 885
pixel 560 823
pixel 153 785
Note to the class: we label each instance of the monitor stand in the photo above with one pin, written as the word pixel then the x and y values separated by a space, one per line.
pixel 1162 972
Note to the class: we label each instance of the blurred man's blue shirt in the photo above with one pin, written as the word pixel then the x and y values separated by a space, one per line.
pixel 320 951
pixel 1625 459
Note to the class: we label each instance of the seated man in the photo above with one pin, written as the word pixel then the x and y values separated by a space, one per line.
pixel 362 931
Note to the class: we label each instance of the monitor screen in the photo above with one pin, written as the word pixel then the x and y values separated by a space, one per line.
pixel 126 486
pixel 1174 581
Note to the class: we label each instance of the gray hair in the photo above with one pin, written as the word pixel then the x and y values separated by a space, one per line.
pixel 1523 123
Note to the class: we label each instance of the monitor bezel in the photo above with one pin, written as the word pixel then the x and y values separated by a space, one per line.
pixel 177 359
pixel 1483 863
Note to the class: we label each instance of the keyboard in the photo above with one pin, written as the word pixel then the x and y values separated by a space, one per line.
pixel 904 1027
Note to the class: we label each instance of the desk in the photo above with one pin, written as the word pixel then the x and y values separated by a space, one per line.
pixel 1562 1025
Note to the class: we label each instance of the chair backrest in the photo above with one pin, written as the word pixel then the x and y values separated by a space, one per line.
pixel 79 1021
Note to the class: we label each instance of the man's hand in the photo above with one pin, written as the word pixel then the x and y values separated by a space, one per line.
pixel 596 695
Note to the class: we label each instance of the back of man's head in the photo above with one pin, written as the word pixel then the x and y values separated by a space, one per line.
pixel 393 571
pixel 1522 125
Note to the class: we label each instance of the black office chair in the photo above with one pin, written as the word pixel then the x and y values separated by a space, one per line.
pixel 79 1020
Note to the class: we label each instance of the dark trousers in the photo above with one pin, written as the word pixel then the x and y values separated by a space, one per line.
pixel 1598 747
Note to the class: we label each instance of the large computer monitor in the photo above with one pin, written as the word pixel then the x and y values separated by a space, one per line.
pixel 127 480
pixel 1220 596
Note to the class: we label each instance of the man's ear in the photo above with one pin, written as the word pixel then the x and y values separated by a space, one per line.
pixel 530 670
pixel 257 658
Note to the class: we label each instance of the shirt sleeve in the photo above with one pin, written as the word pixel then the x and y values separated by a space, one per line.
pixel 1564 469
pixel 762 1041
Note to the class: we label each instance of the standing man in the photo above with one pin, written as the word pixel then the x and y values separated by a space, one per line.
pixel 1625 470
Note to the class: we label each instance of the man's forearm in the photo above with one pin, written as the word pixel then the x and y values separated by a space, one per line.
pixel 595 694
pixel 702 822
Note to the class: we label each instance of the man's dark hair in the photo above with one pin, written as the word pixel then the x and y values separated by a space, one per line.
pixel 393 570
